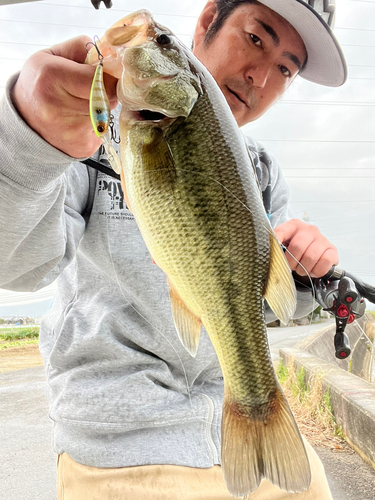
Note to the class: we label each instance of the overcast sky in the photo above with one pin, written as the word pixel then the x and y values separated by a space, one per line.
pixel 324 138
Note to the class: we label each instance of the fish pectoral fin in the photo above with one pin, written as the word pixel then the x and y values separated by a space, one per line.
pixel 262 441
pixel 188 326
pixel 280 290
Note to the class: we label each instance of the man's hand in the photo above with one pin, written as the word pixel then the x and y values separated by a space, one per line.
pixel 306 243
pixel 52 96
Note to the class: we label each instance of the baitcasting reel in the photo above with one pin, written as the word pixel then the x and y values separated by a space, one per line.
pixel 342 295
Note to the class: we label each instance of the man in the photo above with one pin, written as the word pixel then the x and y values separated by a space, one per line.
pixel 134 415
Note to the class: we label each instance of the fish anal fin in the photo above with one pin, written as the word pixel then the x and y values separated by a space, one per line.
pixel 280 290
pixel 262 442
pixel 188 326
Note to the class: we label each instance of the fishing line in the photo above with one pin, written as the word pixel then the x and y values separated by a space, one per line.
pixel 116 280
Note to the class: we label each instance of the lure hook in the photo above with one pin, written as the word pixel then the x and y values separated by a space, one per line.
pixel 95 44
pixel 113 130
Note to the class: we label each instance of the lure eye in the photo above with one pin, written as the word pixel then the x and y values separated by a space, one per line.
pixel 163 39
pixel 100 128
pixel 99 111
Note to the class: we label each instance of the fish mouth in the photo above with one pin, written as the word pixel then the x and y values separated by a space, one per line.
pixel 147 115
pixel 161 116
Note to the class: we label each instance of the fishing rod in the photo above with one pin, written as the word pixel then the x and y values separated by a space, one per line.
pixel 343 295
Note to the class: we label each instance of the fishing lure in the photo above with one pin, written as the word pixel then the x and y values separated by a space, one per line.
pixel 100 114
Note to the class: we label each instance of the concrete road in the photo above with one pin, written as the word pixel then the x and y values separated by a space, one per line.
pixel 28 464
pixel 279 338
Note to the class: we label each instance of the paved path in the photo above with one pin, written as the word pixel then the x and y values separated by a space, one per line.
pixel 27 462
pixel 279 338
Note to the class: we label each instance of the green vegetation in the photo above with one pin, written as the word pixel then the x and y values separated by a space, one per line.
pixel 16 337
pixel 19 343
pixel 315 315
pixel 309 401
pixel 19 333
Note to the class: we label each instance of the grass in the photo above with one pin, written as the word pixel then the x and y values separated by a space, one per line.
pixel 17 337
pixel 311 406
pixel 19 343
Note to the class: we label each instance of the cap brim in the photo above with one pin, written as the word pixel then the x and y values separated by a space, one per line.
pixel 325 60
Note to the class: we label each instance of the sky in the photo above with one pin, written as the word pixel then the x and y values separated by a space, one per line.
pixel 323 138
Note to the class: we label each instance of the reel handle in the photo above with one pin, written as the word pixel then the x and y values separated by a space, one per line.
pixel 342 346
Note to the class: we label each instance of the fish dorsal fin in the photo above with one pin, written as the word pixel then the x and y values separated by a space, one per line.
pixel 188 326
pixel 280 291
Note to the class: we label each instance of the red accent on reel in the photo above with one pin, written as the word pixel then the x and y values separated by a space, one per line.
pixel 342 311
pixel 351 318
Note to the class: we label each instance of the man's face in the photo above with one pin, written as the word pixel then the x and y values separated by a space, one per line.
pixel 254 57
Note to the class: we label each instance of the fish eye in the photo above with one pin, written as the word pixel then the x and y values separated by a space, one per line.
pixel 163 39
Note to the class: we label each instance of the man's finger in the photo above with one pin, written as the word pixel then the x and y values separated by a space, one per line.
pixel 74 49
pixel 285 232
pixel 327 260
pixel 298 246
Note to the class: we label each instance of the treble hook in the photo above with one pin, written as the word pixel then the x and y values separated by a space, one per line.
pixel 95 44
pixel 113 130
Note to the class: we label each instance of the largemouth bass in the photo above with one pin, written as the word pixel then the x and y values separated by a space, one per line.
pixel 192 188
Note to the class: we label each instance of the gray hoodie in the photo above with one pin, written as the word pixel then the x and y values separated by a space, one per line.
pixel 123 391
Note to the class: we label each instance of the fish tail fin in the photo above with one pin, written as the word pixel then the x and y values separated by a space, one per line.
pixel 262 442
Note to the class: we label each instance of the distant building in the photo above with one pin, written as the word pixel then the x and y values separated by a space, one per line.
pixel 17 320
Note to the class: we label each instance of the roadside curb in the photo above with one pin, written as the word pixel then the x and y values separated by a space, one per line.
pixel 352 399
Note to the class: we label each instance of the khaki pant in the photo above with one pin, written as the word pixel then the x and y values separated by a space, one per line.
pixel 170 482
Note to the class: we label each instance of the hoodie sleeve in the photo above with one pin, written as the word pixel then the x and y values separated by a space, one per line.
pixel 42 198
pixel 271 173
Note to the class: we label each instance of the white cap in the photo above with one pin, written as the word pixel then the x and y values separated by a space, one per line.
pixel 325 60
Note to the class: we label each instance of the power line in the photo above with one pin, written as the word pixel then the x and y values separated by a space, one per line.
pixel 23 60
pixel 164 14
pixel 178 34
pixel 332 201
pixel 116 10
pixel 352 29
pixel 338 177
pixel 43 45
pixel 354 45
pixel 327 168
pixel 314 141
pixel 328 103
pixel 24 43
pixel 52 24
